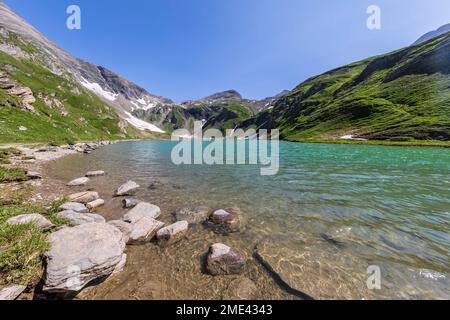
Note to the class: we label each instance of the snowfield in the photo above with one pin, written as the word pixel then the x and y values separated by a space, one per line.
pixel 97 89
pixel 141 124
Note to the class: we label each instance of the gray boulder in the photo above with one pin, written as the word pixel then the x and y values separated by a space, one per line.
pixel 144 230
pixel 172 234
pixel 223 260
pixel 73 206
pixel 196 215
pixel 130 203
pixel 77 218
pixel 82 254
pixel 127 189
pixel 141 210
pixel 79 182
pixel 124 227
pixel 84 197
pixel 40 221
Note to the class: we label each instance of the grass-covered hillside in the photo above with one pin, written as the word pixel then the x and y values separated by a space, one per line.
pixel 404 95
pixel 221 115
pixel 60 110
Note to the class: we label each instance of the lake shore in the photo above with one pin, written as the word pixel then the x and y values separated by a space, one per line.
pixel 161 284
pixel 178 271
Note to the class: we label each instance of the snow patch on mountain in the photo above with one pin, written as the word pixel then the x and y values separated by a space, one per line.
pixel 97 89
pixel 141 124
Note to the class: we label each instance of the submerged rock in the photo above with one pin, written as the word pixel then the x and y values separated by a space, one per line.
pixel 84 197
pixel 40 221
pixel 82 254
pixel 124 227
pixel 130 203
pixel 141 210
pixel 77 218
pixel 241 289
pixel 73 206
pixel 172 234
pixel 79 182
pixel 223 260
pixel 193 215
pixel 227 221
pixel 11 293
pixel 127 189
pixel 144 230
pixel 313 271
pixel 95 173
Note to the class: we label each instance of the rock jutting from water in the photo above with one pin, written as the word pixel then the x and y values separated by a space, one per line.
pixel 172 234
pixel 223 260
pixel 127 189
pixel 227 221
pixel 141 210
pixel 130 203
pixel 82 254
pixel 95 204
pixel 144 230
pixel 79 182
pixel 84 197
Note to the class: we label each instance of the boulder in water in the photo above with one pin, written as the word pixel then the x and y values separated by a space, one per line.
pixel 84 197
pixel 127 189
pixel 79 182
pixel 227 221
pixel 141 210
pixel 223 260
pixel 172 234
pixel 144 230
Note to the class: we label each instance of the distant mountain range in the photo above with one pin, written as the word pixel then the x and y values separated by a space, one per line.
pixel 433 34
pixel 48 95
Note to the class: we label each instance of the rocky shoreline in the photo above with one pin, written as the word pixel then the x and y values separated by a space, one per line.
pixel 112 234
pixel 89 249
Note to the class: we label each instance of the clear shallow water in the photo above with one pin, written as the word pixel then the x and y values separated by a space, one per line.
pixel 387 206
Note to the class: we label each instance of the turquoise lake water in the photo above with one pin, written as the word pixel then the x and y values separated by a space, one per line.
pixel 362 205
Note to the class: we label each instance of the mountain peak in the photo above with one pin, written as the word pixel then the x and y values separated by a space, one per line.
pixel 225 95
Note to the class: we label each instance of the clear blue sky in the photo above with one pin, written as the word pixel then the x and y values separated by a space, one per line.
pixel 187 49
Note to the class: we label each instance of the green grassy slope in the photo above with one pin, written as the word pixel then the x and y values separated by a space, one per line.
pixel 73 114
pixel 399 96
